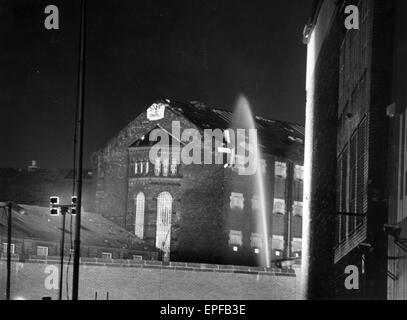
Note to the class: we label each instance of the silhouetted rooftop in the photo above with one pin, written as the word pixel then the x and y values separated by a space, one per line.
pixel 277 137
pixel 35 222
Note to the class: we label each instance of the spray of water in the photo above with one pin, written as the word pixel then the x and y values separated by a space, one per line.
pixel 243 119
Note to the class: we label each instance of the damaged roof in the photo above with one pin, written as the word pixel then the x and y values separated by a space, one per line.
pixel 279 138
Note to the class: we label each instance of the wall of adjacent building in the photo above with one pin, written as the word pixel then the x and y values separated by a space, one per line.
pixel 368 82
pixel 354 102
pixel 397 287
pixel 320 152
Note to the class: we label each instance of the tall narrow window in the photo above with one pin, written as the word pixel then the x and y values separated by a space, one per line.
pixel 174 167
pixel 135 167
pixel 147 166
pixel 157 167
pixel 344 194
pixel 139 223
pixel 165 167
pixel 352 182
pixel 362 175
pixel 164 210
pixel 338 200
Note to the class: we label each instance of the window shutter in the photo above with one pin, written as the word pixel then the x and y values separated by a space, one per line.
pixel 362 175
pixel 352 182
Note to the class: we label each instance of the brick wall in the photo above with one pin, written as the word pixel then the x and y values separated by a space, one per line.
pixel 138 281
pixel 112 167
pixel 362 64
pixel 378 64
pixel 202 233
pixel 321 135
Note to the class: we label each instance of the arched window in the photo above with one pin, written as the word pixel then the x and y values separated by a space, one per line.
pixel 164 210
pixel 139 221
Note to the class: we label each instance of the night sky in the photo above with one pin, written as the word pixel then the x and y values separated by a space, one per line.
pixel 138 52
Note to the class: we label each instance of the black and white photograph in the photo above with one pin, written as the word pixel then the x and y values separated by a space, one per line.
pixel 203 154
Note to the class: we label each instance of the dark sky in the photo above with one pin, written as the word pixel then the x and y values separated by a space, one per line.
pixel 138 52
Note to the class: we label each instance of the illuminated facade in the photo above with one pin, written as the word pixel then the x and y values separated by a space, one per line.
pixel 201 212
pixel 348 118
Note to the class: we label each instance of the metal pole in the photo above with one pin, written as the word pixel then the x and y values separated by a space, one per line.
pixel 61 272
pixel 80 106
pixel 289 195
pixel 10 208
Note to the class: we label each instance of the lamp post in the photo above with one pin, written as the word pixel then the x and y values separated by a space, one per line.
pixel 55 209
pixel 61 273
pixel 80 122
pixel 10 209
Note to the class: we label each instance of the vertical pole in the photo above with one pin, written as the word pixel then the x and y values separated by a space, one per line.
pixel 61 272
pixel 289 210
pixel 80 106
pixel 10 208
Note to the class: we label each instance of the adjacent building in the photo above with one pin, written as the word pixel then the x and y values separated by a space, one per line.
pixel 200 212
pixel 354 150
pixel 34 185
pixel 37 234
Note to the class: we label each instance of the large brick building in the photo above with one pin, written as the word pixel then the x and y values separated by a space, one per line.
pixel 354 177
pixel 202 212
